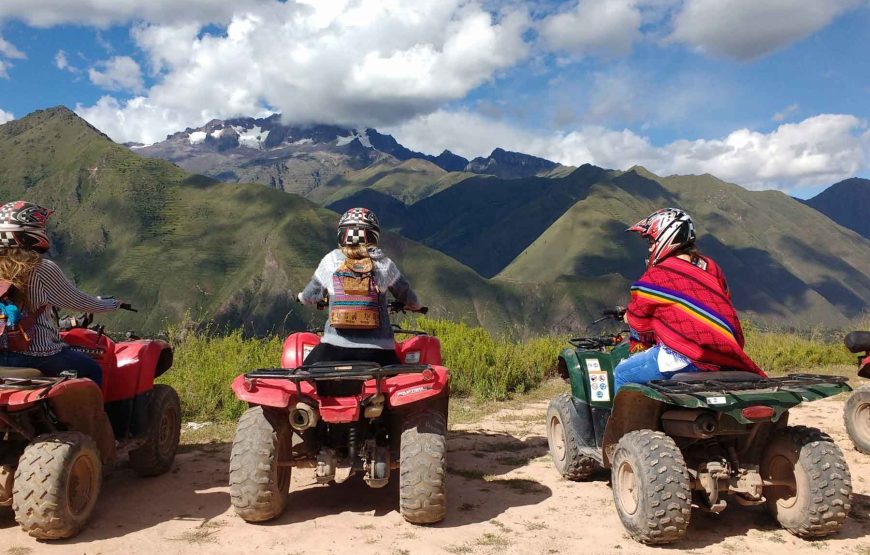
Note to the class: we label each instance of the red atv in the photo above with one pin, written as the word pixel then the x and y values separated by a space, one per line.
pixel 857 413
pixel 341 419
pixel 56 434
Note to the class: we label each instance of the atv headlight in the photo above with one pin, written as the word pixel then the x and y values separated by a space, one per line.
pixel 412 357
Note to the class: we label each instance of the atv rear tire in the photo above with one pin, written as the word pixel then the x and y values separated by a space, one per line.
pixel 155 456
pixel 651 487
pixel 814 500
pixel 423 467
pixel 563 441
pixel 56 485
pixel 857 418
pixel 260 465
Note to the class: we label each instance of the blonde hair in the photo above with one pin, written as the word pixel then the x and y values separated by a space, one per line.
pixel 16 266
pixel 356 252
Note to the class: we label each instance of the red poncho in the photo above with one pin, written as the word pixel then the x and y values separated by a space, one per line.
pixel 688 309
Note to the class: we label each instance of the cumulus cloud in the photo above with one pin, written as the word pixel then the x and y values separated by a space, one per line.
pixel 747 29
pixel 120 73
pixel 5 116
pixel 607 27
pixel 102 13
pixel 8 51
pixel 818 150
pixel 369 62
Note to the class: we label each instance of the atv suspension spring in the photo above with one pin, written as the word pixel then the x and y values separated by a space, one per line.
pixel 351 446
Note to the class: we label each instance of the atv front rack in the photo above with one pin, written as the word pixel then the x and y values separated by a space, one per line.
pixel 337 371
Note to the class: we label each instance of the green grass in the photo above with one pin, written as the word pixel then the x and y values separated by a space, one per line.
pixel 485 368
pixel 787 352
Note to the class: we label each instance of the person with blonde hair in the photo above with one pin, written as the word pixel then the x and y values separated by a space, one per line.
pixel 35 285
pixel 356 277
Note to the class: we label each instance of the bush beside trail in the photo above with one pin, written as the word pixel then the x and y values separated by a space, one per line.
pixel 483 366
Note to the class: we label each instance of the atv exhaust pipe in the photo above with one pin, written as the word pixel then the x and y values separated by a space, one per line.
pixel 303 416
pixel 689 423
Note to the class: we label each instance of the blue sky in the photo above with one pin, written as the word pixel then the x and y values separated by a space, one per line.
pixel 765 93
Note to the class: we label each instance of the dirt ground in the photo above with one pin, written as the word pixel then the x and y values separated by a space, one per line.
pixel 504 497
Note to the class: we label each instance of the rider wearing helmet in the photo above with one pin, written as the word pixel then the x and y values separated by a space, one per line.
pixel 680 314
pixel 358 255
pixel 37 285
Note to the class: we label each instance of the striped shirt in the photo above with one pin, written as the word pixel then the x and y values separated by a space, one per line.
pixel 48 286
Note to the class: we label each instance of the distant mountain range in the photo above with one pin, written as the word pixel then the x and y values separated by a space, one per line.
pixel 311 160
pixel 539 247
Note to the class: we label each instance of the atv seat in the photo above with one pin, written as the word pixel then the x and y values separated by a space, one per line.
pixel 19 372
pixel 858 341
pixel 721 375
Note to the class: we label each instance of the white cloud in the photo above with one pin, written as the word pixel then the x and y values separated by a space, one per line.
pixel 102 13
pixel 746 29
pixel 370 62
pixel 120 73
pixel 62 63
pixel 8 50
pixel 5 116
pixel 607 27
pixel 789 110
pixel 818 150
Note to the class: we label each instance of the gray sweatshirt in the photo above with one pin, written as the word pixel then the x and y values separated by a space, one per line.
pixel 387 278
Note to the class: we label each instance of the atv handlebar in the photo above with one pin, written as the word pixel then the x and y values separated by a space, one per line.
pixel 398 306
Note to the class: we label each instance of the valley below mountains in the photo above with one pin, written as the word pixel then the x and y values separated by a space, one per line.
pixel 224 222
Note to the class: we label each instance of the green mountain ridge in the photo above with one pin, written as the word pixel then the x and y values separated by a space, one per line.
pixel 847 203
pixel 174 243
pixel 569 231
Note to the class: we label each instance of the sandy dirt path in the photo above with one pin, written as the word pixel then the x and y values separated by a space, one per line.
pixel 504 497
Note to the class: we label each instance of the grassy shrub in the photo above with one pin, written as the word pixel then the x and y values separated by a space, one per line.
pixel 205 365
pixel 489 367
pixel 785 352
pixel 482 366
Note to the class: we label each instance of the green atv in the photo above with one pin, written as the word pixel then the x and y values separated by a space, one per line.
pixel 688 442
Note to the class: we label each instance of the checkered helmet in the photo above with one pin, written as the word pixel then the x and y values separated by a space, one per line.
pixel 358 226
pixel 22 225
pixel 668 230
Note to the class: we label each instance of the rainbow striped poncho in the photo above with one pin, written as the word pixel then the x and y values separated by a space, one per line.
pixel 688 308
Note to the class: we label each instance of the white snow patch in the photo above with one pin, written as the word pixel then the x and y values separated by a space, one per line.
pixel 136 147
pixel 217 134
pixel 251 138
pixel 305 141
pixel 196 137
pixel 363 138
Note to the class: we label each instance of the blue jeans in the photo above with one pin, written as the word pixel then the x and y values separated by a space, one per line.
pixel 642 368
pixel 66 359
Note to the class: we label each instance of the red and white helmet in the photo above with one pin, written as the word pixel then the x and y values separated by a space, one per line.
pixel 358 226
pixel 668 230
pixel 22 225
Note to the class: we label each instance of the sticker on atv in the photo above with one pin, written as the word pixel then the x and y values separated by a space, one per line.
pixel 599 388
pixel 716 400
pixel 593 365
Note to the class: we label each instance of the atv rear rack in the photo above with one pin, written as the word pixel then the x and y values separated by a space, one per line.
pixel 337 371
pixel 722 386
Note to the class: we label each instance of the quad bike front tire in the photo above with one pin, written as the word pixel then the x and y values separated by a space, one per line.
pixel 260 465
pixel 155 456
pixel 423 466
pixel 651 487
pixel 857 418
pixel 57 483
pixel 812 485
pixel 563 441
